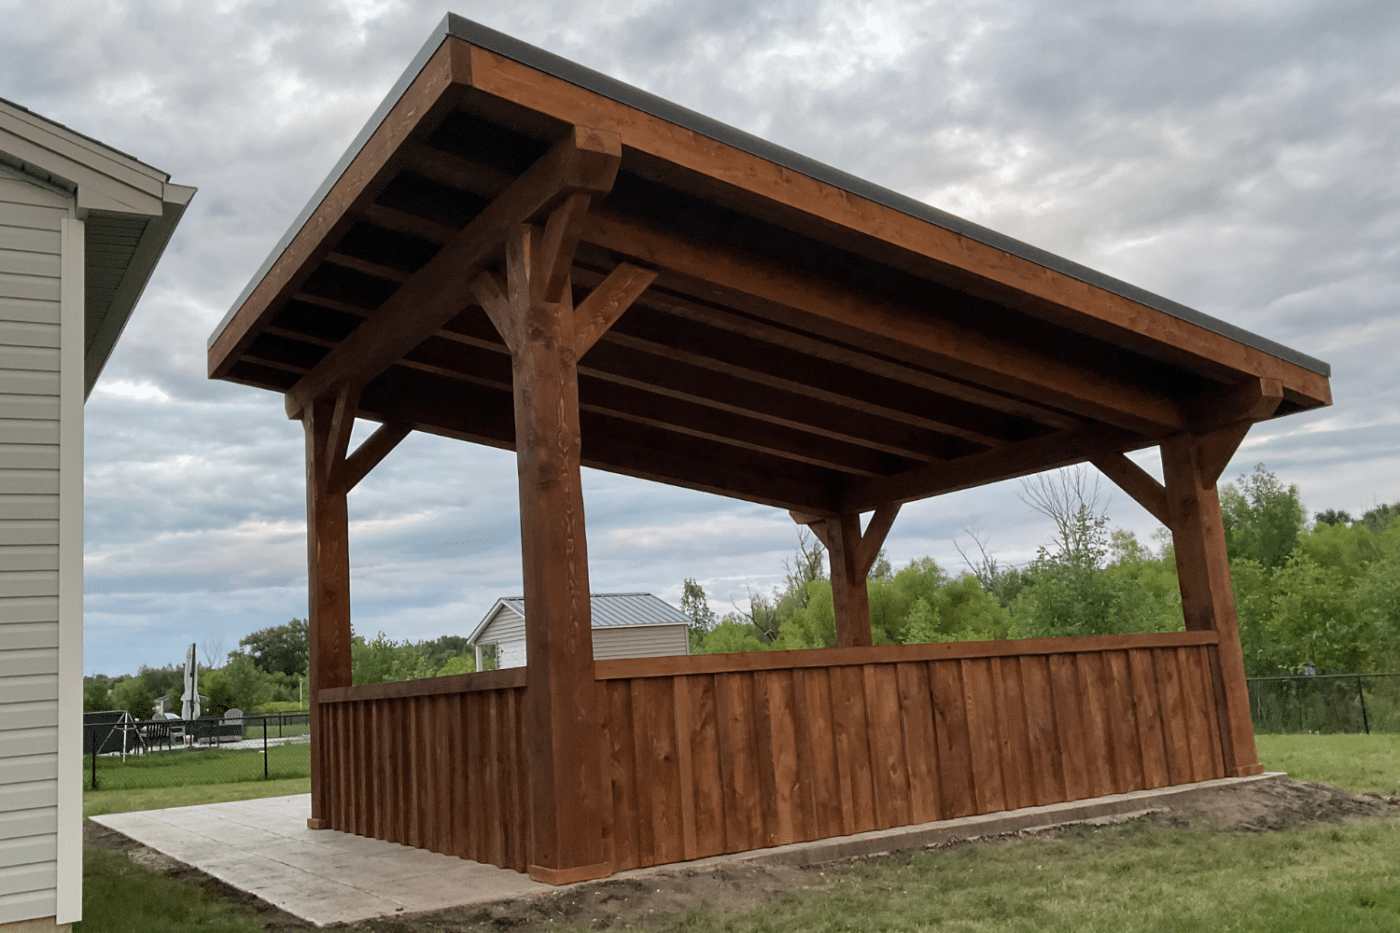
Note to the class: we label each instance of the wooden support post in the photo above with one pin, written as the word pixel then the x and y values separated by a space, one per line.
pixel 328 571
pixel 563 720
pixel 1191 464
pixel 851 555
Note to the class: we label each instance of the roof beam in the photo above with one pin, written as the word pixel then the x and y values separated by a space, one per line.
pixel 585 161
pixel 1034 456
pixel 770 290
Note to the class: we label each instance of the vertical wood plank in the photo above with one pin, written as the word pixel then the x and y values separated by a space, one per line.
pixel 782 742
pixel 743 813
pixel 952 739
pixel 461 771
pixel 1071 741
pixel 1175 728
pixel 684 725
pixel 1046 756
pixel 853 743
pixel 979 695
pixel 705 767
pixel 806 818
pixel 889 768
pixel 517 834
pixel 1100 760
pixel 1014 743
pixel 1148 705
pixel 645 781
pixel 479 795
pixel 825 775
pixel 622 771
pixel 763 748
pixel 667 834
pixel 1125 748
pixel 1196 688
pixel 496 776
pixel 920 750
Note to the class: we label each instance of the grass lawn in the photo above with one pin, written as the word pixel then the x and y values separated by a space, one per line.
pixel 187 767
pixel 158 798
pixel 1132 877
pixel 122 897
pixel 1358 763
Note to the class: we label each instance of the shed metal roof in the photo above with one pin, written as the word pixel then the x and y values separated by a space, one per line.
pixel 610 610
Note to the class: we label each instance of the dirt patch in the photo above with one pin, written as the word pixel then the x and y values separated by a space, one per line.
pixel 622 904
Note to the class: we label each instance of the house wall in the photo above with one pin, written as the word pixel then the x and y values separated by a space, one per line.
pixel 507 632
pixel 35 223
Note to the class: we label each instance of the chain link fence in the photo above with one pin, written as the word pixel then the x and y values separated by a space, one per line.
pixel 125 754
pixel 1326 703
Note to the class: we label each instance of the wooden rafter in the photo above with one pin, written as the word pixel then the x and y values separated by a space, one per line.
pixel 769 290
pixel 583 162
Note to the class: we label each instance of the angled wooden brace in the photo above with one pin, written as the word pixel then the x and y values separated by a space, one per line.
pixel 851 554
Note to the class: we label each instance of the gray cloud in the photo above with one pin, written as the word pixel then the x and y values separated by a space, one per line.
pixel 1238 157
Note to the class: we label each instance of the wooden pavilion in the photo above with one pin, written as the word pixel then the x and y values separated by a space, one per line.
pixel 519 252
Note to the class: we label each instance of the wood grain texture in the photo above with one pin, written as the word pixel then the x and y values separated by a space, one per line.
pixel 707 763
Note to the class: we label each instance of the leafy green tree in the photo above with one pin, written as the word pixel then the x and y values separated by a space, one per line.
pixel 1332 517
pixel 281 649
pixel 697 608
pixel 97 693
pixel 134 695
pixel 1262 517
pixel 461 664
pixel 731 636
pixel 1381 517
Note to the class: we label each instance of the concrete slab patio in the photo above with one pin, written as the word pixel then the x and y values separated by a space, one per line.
pixel 323 876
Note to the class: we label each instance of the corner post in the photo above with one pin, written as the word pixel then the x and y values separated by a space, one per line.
pixel 328 573
pixel 1191 464
pixel 562 721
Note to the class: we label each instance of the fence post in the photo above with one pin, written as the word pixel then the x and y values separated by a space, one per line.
pixel 92 737
pixel 265 771
pixel 1365 720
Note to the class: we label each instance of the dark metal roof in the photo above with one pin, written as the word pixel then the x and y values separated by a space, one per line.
pixel 526 54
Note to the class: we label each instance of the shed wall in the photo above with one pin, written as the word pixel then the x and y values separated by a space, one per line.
pixel 31 258
pixel 640 641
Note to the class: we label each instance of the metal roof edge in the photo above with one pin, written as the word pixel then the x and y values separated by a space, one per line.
pixel 534 57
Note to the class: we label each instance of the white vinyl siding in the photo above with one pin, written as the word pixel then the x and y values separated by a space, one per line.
pixel 640 641
pixel 32 224
pixel 506 631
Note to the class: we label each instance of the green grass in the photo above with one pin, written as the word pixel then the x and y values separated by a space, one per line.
pixel 121 897
pixel 185 767
pixel 1120 878
pixel 1358 763
pixel 158 798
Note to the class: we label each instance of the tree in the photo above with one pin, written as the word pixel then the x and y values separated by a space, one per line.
pixel 1262 518
pixel 1381 517
pixel 97 693
pixel 702 617
pixel 1333 517
pixel 281 649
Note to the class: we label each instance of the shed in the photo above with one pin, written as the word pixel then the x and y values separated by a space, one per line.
pixel 520 252
pixel 81 229
pixel 625 625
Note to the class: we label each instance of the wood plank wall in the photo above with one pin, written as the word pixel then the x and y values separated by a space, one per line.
pixel 716 762
pixel 431 765
pixel 725 753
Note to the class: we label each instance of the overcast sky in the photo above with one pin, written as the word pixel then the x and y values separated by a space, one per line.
pixel 1239 157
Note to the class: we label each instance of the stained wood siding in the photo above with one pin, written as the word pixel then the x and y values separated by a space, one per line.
pixel 435 764
pixel 30 258
pixel 717 762
pixel 716 754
